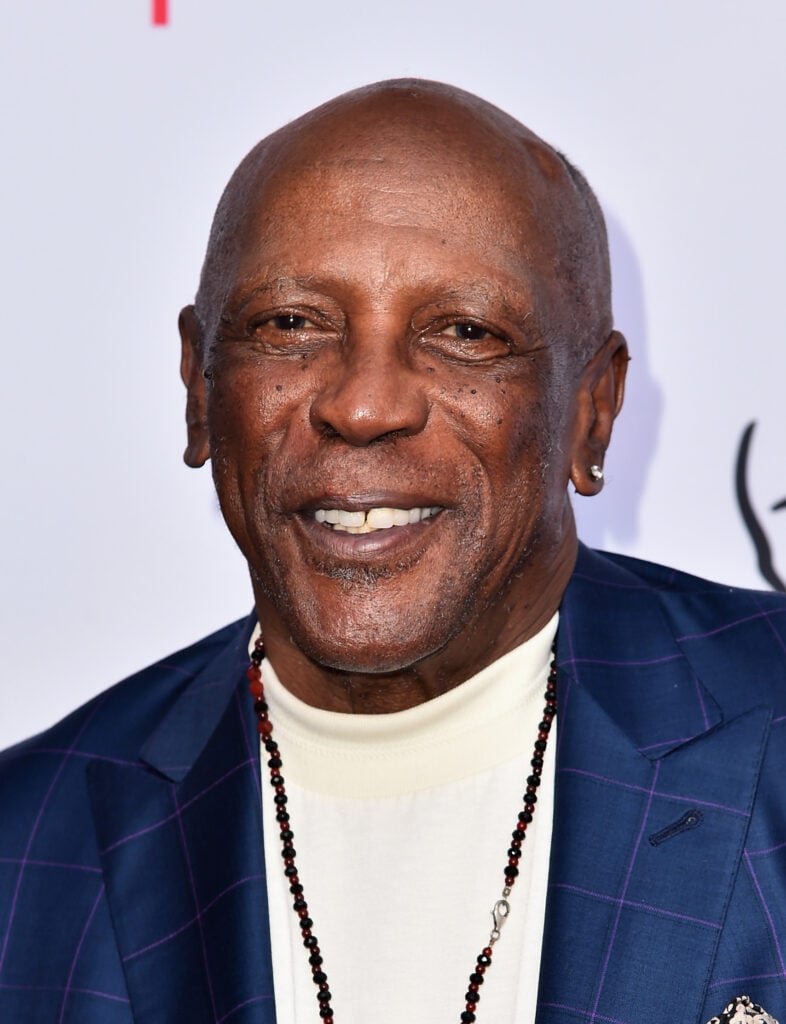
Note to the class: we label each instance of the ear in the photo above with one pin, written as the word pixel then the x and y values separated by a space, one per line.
pixel 598 401
pixel 192 373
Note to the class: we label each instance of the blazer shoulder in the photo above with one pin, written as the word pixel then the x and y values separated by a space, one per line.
pixel 733 637
pixel 667 578
pixel 115 723
pixel 626 572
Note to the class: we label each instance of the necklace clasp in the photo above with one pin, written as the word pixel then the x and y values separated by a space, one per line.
pixel 499 914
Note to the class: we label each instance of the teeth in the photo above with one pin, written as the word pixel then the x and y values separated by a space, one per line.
pixel 373 519
pixel 384 518
pixel 351 518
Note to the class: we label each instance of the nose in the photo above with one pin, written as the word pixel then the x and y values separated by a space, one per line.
pixel 372 393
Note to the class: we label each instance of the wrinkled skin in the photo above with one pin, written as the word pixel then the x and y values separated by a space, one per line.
pixel 380 324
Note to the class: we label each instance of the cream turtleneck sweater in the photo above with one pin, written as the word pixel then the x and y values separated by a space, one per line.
pixel 402 822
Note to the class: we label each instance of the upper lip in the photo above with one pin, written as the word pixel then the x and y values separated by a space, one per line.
pixel 362 502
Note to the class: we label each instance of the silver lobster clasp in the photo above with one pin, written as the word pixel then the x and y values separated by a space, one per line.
pixel 499 914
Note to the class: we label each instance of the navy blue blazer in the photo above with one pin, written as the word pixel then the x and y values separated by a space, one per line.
pixel 132 877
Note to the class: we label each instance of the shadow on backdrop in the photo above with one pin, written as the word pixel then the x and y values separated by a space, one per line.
pixel 612 518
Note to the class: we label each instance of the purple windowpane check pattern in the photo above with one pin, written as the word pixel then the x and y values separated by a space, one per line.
pixel 621 901
pixel 132 886
pixel 198 918
pixel 672 919
pixel 61 958
pixel 63 760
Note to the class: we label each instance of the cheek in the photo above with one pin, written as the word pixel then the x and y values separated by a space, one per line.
pixel 508 422
pixel 249 413
pixel 539 419
pixel 517 428
pixel 251 408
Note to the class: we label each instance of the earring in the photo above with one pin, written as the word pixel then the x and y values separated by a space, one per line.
pixel 596 472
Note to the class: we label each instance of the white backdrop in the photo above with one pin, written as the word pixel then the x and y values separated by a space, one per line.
pixel 117 139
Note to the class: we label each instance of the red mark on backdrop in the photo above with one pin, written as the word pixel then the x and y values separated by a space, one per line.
pixel 160 12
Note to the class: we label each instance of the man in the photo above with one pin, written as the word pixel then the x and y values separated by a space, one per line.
pixel 400 356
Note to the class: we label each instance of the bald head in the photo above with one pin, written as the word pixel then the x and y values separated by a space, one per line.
pixel 425 139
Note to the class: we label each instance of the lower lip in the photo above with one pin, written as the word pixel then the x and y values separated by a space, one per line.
pixel 363 546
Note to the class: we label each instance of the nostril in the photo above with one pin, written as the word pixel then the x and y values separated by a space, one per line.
pixel 328 431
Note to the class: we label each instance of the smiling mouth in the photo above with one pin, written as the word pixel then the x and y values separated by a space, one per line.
pixel 373 519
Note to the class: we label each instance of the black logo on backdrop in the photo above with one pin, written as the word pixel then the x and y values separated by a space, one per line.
pixel 752 521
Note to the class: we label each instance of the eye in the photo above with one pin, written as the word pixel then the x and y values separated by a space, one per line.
pixel 466 341
pixel 286 330
pixel 284 323
pixel 467 331
pixel 289 322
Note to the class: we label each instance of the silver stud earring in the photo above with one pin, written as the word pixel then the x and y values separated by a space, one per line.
pixel 596 472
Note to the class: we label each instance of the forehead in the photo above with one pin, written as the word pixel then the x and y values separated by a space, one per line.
pixel 327 205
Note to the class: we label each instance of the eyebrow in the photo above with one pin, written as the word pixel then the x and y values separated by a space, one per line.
pixel 483 290
pixel 473 291
pixel 283 280
pixel 236 300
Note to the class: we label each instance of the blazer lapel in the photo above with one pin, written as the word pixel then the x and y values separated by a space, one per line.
pixel 180 836
pixel 653 797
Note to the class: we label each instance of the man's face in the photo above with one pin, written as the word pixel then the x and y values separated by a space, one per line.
pixel 386 355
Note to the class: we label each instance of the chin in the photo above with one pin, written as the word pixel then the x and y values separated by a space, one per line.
pixel 368 651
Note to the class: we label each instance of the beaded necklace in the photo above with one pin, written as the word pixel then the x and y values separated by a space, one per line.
pixel 501 908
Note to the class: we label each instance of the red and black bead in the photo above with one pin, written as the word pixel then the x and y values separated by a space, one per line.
pixel 524 818
pixel 288 852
